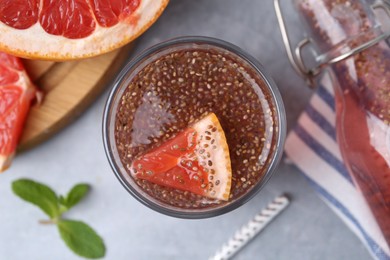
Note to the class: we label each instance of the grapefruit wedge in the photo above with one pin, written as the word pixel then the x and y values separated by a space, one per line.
pixel 16 95
pixel 72 29
pixel 196 160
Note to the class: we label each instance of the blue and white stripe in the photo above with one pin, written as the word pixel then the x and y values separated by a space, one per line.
pixel 313 148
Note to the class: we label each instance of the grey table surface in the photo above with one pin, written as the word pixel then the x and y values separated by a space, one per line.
pixel 308 229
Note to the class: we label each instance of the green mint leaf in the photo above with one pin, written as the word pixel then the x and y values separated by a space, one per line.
pixel 75 195
pixel 81 238
pixel 63 207
pixel 62 200
pixel 38 194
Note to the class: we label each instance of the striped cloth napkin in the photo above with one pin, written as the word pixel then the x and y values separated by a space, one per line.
pixel 312 147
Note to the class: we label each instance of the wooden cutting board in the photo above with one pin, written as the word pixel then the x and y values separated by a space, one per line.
pixel 69 88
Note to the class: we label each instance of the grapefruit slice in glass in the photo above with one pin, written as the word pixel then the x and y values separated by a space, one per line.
pixel 71 29
pixel 196 160
pixel 16 95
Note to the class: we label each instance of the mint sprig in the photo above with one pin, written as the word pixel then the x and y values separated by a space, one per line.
pixel 81 238
pixel 74 196
pixel 39 195
pixel 77 235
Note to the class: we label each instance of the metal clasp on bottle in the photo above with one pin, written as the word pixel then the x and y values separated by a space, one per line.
pixel 295 55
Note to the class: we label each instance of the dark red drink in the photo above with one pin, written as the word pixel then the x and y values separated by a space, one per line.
pixel 362 93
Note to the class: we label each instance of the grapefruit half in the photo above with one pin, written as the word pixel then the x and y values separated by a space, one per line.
pixel 73 29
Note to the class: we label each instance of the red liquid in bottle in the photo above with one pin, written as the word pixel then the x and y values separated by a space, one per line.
pixel 364 139
pixel 362 93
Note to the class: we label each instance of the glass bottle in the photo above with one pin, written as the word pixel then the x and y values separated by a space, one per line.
pixel 353 47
